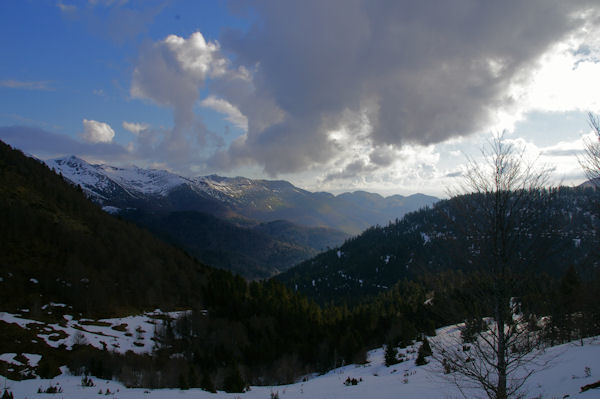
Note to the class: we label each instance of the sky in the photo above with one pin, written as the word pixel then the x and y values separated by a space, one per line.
pixel 387 96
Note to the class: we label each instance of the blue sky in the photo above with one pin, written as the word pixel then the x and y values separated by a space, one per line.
pixel 385 96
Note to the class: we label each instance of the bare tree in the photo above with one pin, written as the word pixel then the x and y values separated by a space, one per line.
pixel 590 160
pixel 493 207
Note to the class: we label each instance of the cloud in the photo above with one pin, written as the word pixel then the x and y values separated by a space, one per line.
pixel 97 132
pixel 26 85
pixel 420 73
pixel 45 144
pixel 232 113
pixel 135 127
pixel 66 8
pixel 352 170
pixel 171 72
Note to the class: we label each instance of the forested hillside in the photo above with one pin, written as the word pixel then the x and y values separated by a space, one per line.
pixel 254 252
pixel 57 246
pixel 561 231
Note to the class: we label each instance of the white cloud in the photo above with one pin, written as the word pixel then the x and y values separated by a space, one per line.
pixel 97 132
pixel 135 127
pixel 172 71
pixel 66 8
pixel 564 79
pixel 233 114
pixel 196 56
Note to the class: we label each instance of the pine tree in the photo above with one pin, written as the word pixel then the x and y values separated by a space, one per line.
pixel 234 383
pixel 424 351
pixel 390 355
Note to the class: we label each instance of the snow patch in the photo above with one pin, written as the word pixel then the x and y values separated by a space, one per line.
pixel 113 210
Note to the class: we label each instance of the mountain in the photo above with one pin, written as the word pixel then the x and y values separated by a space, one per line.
pixel 148 189
pixel 238 198
pixel 256 252
pixel 562 233
pixel 59 247
pixel 257 228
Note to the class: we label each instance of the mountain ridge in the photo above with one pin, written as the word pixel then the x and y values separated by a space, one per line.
pixel 235 197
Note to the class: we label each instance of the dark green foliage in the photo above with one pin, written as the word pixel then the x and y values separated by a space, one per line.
pixel 7 395
pixel 391 355
pixel 207 383
pixel 424 351
pixel 183 383
pixel 234 383
pixel 425 347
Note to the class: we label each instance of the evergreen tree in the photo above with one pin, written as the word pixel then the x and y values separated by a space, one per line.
pixel 424 351
pixel 234 383
pixel 391 355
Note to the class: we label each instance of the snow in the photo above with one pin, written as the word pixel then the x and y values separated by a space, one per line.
pixel 34 280
pixel 113 210
pixel 425 238
pixel 133 333
pixel 54 305
pixel 32 359
pixel 99 181
pixel 565 375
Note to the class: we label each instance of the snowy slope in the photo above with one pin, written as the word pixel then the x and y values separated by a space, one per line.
pixel 104 181
pixel 565 375
pixel 133 333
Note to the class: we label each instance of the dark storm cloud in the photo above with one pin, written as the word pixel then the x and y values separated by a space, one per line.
pixel 44 144
pixel 422 71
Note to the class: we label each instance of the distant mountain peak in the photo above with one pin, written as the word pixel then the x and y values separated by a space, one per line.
pixel 261 200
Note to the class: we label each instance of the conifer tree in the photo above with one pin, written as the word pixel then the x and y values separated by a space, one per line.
pixel 391 355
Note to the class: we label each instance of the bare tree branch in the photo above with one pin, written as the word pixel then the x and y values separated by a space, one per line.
pixel 494 210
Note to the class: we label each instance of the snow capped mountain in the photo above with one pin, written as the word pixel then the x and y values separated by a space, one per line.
pixel 261 200
pixel 103 181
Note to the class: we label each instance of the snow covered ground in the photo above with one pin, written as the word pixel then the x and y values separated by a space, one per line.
pixel 571 367
pixel 133 333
